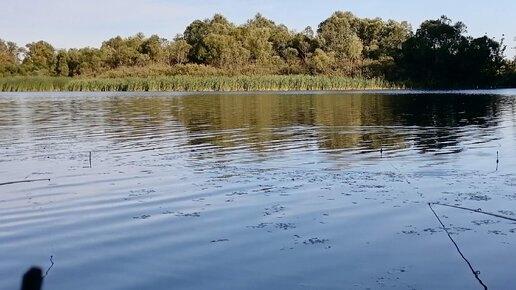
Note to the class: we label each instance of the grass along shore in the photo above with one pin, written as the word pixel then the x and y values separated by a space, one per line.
pixel 194 83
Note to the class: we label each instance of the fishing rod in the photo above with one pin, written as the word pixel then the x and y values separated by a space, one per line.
pixel 475 272
pixel 478 210
pixel 28 180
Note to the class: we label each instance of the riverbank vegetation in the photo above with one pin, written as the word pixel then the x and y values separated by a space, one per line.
pixel 194 83
pixel 345 52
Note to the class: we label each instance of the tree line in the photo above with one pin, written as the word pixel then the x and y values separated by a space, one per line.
pixel 437 54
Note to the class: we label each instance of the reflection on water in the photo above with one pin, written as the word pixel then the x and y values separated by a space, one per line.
pixel 257 191
pixel 364 121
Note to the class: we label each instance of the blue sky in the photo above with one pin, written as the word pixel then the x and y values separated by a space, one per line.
pixel 80 23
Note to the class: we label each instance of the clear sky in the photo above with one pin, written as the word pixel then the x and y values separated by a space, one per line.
pixel 81 23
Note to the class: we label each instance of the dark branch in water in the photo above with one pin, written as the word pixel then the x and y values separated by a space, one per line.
pixel 21 181
pixel 476 273
pixel 52 265
pixel 477 211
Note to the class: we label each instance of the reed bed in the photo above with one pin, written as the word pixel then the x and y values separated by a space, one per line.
pixel 31 84
pixel 194 83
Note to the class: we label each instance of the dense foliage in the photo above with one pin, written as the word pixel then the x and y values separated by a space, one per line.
pixel 438 54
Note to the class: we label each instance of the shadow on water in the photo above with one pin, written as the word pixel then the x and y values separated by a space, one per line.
pixel 33 279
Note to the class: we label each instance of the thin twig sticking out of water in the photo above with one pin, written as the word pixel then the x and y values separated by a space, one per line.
pixel 476 273
pixel 52 265
pixel 497 161
pixel 477 211
pixel 90 159
pixel 27 180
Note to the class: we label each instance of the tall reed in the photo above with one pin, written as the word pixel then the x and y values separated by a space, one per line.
pixel 194 83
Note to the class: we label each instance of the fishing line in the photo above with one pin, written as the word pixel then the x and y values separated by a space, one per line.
pixel 476 273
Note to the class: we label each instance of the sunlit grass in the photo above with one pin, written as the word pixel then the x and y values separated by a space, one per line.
pixel 194 83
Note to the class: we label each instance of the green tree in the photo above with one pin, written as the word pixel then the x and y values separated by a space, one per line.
pixel 278 35
pixel 439 55
pixel 305 45
pixel 74 61
pixel 260 22
pixel 291 55
pixel 154 48
pixel 197 32
pixel 84 61
pixel 339 37
pixel 321 62
pixel 379 38
pixel 91 61
pixel 41 55
pixel 482 62
pixel 62 63
pixel 194 36
pixel 9 52
pixel 256 41
pixel 292 60
pixel 120 51
pixel 224 51
pixel 430 55
pixel 216 42
pixel 178 52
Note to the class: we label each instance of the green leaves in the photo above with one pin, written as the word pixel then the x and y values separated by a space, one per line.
pixel 41 55
pixel 440 55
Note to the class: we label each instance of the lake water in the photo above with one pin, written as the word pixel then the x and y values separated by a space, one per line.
pixel 296 190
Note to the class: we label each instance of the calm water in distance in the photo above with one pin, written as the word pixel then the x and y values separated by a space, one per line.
pixel 295 190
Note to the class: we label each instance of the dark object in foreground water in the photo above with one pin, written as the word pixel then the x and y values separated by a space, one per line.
pixel 32 280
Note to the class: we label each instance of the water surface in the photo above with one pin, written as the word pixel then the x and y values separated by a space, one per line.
pixel 298 190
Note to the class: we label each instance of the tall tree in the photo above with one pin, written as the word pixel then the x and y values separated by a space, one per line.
pixel 321 62
pixel 256 41
pixel 62 63
pixel 197 32
pixel 439 55
pixel 340 38
pixel 154 48
pixel 120 51
pixel 9 52
pixel 178 52
pixel 278 35
pixel 40 54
